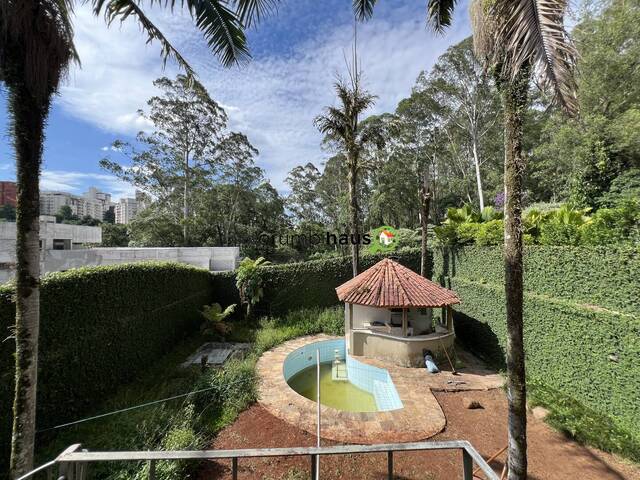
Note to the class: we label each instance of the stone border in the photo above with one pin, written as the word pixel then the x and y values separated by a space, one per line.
pixel 420 418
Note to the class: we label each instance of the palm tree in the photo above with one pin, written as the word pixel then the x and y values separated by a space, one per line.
pixel 36 50
pixel 341 125
pixel 514 39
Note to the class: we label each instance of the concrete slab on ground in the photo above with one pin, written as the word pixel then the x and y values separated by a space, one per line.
pixel 217 353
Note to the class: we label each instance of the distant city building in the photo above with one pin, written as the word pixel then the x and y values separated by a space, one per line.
pixel 53 236
pixel 93 203
pixel 8 193
pixel 128 208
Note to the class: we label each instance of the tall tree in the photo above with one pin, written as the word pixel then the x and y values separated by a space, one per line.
pixel 514 38
pixel 36 49
pixel 303 201
pixel 469 104
pixel 341 126
pixel 189 127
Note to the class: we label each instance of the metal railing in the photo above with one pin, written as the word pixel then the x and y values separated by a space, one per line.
pixel 74 463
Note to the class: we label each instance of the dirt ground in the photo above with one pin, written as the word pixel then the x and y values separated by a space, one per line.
pixel 551 455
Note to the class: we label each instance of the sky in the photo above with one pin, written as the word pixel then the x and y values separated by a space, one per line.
pixel 297 53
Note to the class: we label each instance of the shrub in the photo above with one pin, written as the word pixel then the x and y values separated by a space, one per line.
pixel 613 225
pixel 467 232
pixel 490 233
pixel 100 327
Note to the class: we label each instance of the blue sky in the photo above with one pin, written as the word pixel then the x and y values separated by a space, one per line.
pixel 296 55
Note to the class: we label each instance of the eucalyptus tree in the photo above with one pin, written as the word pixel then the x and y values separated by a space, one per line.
pixel 304 201
pixel 420 119
pixel 469 103
pixel 189 129
pixel 514 39
pixel 36 50
pixel 343 129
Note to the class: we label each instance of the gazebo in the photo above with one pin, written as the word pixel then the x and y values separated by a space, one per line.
pixel 389 315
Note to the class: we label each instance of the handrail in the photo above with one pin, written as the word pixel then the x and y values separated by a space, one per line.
pixel 72 457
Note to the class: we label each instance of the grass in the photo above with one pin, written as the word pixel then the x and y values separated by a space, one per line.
pixel 189 422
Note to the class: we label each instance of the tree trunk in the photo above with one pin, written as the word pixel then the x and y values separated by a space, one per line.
pixel 28 119
pixel 425 203
pixel 185 210
pixel 476 162
pixel 515 102
pixel 353 214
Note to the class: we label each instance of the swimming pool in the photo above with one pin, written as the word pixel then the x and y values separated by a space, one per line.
pixel 367 389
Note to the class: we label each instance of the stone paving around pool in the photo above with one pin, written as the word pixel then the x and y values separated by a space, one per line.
pixel 420 418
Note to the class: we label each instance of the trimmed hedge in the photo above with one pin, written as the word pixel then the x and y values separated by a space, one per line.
pixel 291 286
pixel 99 328
pixel 607 277
pixel 582 328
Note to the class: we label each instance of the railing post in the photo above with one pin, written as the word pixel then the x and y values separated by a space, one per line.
pixel 390 465
pixel 234 468
pixel 152 470
pixel 467 465
pixel 314 459
pixel 68 470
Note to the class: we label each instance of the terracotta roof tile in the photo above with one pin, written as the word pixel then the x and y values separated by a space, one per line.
pixel 389 284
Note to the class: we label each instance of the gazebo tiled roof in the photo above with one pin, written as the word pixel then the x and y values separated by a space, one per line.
pixel 390 285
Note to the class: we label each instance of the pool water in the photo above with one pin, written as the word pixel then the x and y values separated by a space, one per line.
pixel 339 394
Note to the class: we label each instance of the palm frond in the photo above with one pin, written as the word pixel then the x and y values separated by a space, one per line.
pixel 222 30
pixel 123 9
pixel 440 14
pixel 249 12
pixel 219 24
pixel 531 32
pixel 363 9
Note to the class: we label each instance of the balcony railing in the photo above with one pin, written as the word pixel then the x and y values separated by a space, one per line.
pixel 75 463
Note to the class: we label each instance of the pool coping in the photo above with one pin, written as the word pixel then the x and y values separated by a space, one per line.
pixel 420 418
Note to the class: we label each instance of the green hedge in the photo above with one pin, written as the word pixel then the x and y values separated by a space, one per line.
pixel 581 308
pixel 99 328
pixel 291 286
pixel 608 277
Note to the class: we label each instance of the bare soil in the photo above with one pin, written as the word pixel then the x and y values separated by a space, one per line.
pixel 551 455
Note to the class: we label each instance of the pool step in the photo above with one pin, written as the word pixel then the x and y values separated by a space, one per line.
pixel 339 372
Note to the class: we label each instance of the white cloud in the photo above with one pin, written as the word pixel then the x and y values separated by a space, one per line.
pixel 275 98
pixel 79 182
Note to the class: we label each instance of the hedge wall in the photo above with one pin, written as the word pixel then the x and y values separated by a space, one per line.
pixel 581 308
pixel 304 284
pixel 99 328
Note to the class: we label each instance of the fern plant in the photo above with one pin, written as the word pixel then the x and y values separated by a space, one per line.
pixel 215 316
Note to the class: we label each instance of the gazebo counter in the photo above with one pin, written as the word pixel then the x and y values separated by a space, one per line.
pixel 401 351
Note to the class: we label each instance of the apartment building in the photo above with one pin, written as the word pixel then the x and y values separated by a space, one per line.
pixel 92 203
pixel 8 193
pixel 126 209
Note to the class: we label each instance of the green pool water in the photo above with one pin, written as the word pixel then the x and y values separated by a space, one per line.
pixel 341 395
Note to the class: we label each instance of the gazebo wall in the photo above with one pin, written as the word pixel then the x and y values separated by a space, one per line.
pixel 405 352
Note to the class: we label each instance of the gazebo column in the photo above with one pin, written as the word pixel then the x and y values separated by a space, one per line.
pixel 350 330
pixel 450 319
pixel 404 322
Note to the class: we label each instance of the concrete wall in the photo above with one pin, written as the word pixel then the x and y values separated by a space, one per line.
pixel 211 258
pixel 406 352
